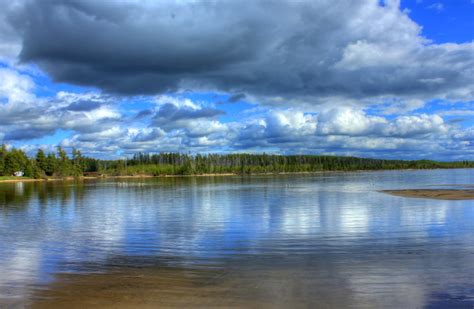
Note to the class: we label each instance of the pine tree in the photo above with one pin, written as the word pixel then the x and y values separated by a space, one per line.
pixel 64 165
pixel 15 161
pixel 41 160
pixel 3 153
pixel 78 162
pixel 51 164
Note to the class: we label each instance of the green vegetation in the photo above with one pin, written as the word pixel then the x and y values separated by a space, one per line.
pixel 41 166
pixel 9 178
pixel 183 164
pixel 61 165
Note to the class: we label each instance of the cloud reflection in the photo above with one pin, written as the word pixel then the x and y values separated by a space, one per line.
pixel 378 243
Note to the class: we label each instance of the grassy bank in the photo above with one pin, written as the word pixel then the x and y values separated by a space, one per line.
pixel 15 179
pixel 8 177
pixel 61 165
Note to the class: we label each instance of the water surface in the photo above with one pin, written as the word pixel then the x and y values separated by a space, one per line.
pixel 325 240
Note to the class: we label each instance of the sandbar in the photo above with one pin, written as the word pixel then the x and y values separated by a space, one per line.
pixel 439 194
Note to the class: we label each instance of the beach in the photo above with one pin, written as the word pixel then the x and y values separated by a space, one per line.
pixel 439 194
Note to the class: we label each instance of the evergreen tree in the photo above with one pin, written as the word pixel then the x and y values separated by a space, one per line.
pixel 51 164
pixel 78 162
pixel 15 161
pixel 3 153
pixel 29 169
pixel 64 167
pixel 41 160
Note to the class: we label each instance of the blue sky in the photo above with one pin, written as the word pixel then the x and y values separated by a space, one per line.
pixel 443 21
pixel 370 78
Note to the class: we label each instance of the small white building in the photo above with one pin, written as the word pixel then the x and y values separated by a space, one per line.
pixel 19 174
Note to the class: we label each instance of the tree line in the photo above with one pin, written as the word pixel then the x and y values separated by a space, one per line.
pixel 242 163
pixel 60 164
pixel 57 164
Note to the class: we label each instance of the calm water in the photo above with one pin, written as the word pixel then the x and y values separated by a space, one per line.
pixel 308 240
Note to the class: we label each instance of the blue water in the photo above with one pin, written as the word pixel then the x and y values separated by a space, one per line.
pixel 330 236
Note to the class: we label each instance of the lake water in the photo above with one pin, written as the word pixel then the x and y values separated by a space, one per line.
pixel 325 240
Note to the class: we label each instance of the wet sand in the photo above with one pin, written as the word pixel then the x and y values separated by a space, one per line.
pixel 127 289
pixel 439 194
pixel 149 288
pixel 19 179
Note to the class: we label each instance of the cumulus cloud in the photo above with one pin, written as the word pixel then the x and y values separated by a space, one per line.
pixel 25 116
pixel 287 49
pixel 171 113
pixel 348 121
pixel 177 123
pixel 407 126
pixel 149 134
pixel 15 86
pixel 356 80
pixel 178 113
pixel 353 122
pixel 289 122
pixel 185 125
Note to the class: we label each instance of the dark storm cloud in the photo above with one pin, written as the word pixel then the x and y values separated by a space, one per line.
pixel 143 114
pixel 285 49
pixel 28 133
pixel 83 106
pixel 171 112
pixel 149 135
pixel 171 116
pixel 236 97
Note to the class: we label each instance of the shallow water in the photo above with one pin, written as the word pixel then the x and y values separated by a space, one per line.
pixel 326 240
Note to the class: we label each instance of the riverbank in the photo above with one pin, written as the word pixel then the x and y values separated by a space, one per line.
pixel 7 179
pixel 16 179
pixel 24 179
pixel 438 194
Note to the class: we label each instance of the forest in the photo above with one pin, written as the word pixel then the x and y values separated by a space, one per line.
pixel 60 164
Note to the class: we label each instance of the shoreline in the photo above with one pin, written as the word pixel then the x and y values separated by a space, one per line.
pixel 20 179
pixel 69 178
pixel 437 194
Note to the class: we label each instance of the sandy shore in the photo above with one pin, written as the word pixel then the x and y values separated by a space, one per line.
pixel 191 288
pixel 23 179
pixel 20 179
pixel 439 194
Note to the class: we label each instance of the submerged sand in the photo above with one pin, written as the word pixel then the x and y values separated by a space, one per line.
pixel 439 194
pixel 180 288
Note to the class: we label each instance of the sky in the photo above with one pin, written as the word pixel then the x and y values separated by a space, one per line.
pixel 370 78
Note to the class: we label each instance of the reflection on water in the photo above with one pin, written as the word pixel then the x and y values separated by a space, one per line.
pixel 328 239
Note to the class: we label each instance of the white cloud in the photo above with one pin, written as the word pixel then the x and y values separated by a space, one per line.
pixel 289 123
pixel 15 87
pixel 179 102
pixel 363 54
pixel 100 128
pixel 417 125
pixel 348 121
pixel 25 116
